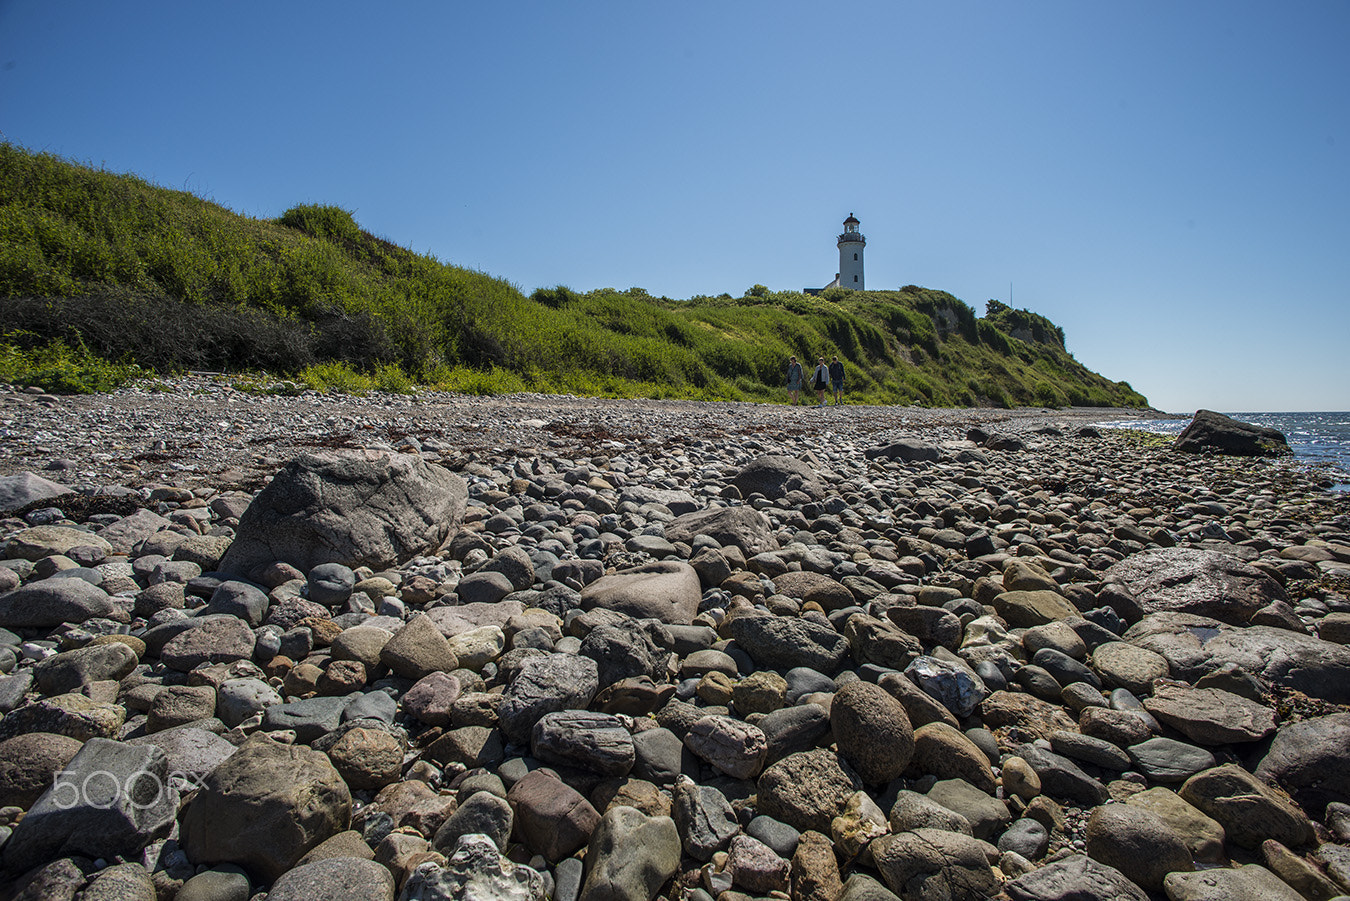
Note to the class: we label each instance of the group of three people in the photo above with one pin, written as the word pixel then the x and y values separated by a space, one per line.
pixel 831 377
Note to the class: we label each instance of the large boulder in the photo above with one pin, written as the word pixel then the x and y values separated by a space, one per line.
pixel 1197 645
pixel 742 527
pixel 23 488
pixel 784 642
pixel 668 590
pixel 1311 760
pixel 1217 433
pixel 358 509
pixel 630 856
pixel 51 602
pixel 934 863
pixel 774 476
pixel 264 807
pixel 1195 580
pixel 112 798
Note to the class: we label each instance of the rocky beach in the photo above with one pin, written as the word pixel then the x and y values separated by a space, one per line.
pixel 299 646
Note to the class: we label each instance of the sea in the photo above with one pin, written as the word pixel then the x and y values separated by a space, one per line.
pixel 1321 440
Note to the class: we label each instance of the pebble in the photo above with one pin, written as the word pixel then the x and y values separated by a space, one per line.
pixel 688 652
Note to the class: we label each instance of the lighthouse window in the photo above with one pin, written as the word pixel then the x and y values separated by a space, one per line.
pixel 855 258
pixel 855 278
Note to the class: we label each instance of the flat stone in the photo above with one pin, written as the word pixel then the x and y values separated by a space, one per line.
pixel 1249 811
pixel 1244 883
pixel 668 591
pixel 1196 581
pixel 930 863
pixel 1076 877
pixel 1210 716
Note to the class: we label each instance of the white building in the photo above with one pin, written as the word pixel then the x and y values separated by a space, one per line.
pixel 850 244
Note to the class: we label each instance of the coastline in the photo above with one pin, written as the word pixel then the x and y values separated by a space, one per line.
pixel 901 617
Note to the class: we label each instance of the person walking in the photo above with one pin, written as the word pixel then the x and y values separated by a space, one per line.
pixel 837 379
pixel 794 380
pixel 821 380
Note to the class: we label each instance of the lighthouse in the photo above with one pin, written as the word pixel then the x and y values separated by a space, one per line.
pixel 851 244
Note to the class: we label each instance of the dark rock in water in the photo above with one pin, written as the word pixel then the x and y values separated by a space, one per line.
pixel 1193 580
pixel 358 509
pixel 1210 431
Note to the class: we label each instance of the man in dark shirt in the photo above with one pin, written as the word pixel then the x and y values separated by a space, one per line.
pixel 837 379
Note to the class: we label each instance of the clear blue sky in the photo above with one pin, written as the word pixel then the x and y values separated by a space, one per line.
pixel 1170 182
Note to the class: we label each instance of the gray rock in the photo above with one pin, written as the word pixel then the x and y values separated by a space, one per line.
pixel 216 638
pixel 1310 759
pixel 774 476
pixel 704 819
pixel 1249 811
pixel 309 718
pixel 1196 645
pixel 660 756
pixel 1062 778
pixel 23 488
pixel 1026 837
pixel 330 584
pixel 1244 883
pixel 481 813
pixel 418 649
pixel 872 732
pixel 335 879
pixel 475 870
pixel 358 509
pixel 915 811
pixel 906 450
pixel 552 818
pixel 1076 877
pixel 987 815
pixel 668 591
pixel 51 602
pixel 630 856
pixel 930 863
pixel 778 835
pixel 112 798
pixel 1210 716
pixel 732 746
pixel 1168 761
pixel 595 742
pixel 228 883
pixel 1195 581
pixel 192 752
pixel 623 652
pixel 741 527
pixel 1215 432
pixel 239 699
pixel 70 670
pixel 131 530
pixel 1088 749
pixel 546 684
pixel 1138 843
pixel 793 729
pixel 239 599
pixel 778 642
pixel 955 686
pixel 483 587
pixel 264 807
pixel 806 790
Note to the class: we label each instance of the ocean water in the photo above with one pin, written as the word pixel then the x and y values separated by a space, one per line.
pixel 1318 439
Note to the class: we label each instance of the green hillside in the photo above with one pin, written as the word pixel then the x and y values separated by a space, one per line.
pixel 102 273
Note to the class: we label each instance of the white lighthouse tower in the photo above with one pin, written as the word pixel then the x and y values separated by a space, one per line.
pixel 851 244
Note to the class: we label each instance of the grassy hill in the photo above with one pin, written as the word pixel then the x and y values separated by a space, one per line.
pixel 104 276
